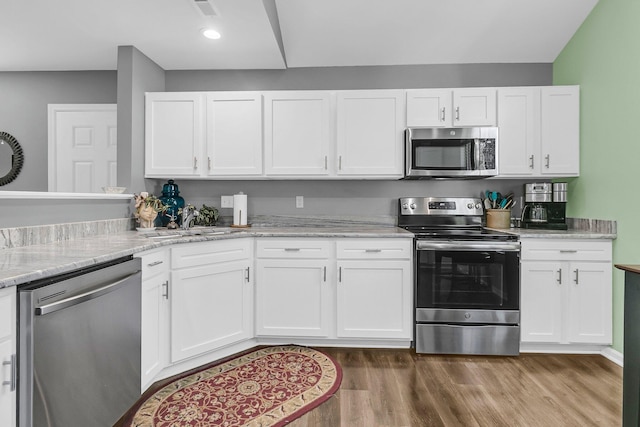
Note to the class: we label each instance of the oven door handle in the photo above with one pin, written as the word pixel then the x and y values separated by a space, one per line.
pixel 423 245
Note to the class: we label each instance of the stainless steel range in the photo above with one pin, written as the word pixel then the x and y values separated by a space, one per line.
pixel 467 278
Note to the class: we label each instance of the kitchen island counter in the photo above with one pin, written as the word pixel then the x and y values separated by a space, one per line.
pixel 27 263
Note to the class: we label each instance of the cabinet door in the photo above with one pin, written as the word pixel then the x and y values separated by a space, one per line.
pixel 8 369
pixel 429 108
pixel 297 133
pixel 174 134
pixel 474 107
pixel 519 137
pixel 560 130
pixel 541 296
pixel 234 134
pixel 369 132
pixel 155 330
pixel 374 299
pixel 292 298
pixel 590 312
pixel 211 307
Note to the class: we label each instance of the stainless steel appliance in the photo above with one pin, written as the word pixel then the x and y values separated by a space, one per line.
pixel 451 152
pixel 545 205
pixel 79 346
pixel 467 278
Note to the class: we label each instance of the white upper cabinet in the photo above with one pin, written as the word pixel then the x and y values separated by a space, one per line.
pixel 539 131
pixel 451 107
pixel 174 134
pixel 560 130
pixel 297 133
pixel 234 134
pixel 370 126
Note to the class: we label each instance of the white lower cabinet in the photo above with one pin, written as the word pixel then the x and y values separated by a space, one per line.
pixel 293 288
pixel 566 291
pixel 8 368
pixel 211 296
pixel 374 289
pixel 155 313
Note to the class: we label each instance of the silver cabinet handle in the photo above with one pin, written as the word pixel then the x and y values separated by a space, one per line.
pixel 292 249
pixel 576 279
pixel 14 373
pixel 339 274
pixel 442 115
pixel 325 162
pixel 457 113
pixel 560 276
pixel 531 161
pixel 546 161
pixel 324 273
pixel 153 264
pixel 248 277
pixel 195 163
pixel 165 286
pixel 568 251
pixel 209 162
pixel 373 250
pixel 339 163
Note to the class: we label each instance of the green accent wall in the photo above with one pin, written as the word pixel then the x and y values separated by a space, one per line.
pixel 603 57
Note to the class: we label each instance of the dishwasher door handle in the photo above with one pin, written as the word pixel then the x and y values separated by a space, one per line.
pixel 78 299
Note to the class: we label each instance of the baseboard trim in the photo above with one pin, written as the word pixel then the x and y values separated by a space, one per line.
pixel 614 355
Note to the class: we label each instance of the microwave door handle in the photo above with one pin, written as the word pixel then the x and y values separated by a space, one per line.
pixel 476 155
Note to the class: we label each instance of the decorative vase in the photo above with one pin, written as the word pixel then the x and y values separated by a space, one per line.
pixel 146 216
pixel 171 198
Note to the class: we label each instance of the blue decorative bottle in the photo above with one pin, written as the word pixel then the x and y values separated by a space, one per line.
pixel 170 197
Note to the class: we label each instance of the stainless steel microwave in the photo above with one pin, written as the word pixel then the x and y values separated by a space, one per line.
pixel 451 152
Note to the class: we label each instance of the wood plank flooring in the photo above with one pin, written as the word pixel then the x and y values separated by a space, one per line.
pixel 392 388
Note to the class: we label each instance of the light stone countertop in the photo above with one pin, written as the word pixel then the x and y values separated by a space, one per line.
pixel 558 234
pixel 27 263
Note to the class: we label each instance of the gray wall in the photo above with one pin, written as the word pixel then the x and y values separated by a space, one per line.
pixel 23 112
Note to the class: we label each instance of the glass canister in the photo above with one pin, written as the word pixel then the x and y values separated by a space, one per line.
pixel 171 198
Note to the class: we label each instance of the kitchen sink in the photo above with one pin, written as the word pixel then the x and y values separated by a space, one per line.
pixel 165 233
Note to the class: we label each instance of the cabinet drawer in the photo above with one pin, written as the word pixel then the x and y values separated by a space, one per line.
pixel 205 253
pixel 154 262
pixel 293 248
pixel 566 250
pixel 374 248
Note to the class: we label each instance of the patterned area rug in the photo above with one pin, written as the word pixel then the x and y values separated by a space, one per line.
pixel 266 387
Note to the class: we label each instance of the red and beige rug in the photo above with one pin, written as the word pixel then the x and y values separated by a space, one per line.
pixel 266 387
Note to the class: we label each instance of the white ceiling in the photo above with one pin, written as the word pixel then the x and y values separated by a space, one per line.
pixel 46 35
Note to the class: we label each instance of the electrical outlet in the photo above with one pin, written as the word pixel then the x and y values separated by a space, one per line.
pixel 299 201
pixel 226 201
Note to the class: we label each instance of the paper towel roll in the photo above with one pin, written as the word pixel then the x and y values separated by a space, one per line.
pixel 240 209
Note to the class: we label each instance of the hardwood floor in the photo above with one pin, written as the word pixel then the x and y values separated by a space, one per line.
pixel 394 388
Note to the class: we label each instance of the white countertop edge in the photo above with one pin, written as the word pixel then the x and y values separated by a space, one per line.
pixel 54 195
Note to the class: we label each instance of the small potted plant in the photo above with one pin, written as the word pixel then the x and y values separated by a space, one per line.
pixel 147 208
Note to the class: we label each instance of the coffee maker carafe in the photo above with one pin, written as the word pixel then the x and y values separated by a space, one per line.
pixel 545 205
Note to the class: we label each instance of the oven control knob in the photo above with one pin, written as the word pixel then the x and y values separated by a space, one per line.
pixel 405 206
pixel 467 315
pixel 470 205
pixel 412 206
pixel 478 206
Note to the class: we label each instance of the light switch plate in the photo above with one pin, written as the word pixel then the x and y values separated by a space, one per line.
pixel 226 201
pixel 299 201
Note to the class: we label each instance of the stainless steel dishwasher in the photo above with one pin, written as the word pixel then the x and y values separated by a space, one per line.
pixel 79 346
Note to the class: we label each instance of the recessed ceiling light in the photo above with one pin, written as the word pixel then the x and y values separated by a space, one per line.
pixel 211 34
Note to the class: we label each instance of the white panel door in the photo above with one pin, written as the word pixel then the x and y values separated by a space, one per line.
pixel 590 311
pixel 297 133
pixel 369 131
pixel 292 298
pixel 211 307
pixel 519 134
pixel 374 299
pixel 541 301
pixel 155 293
pixel 429 107
pixel 8 368
pixel 82 147
pixel 234 134
pixel 560 130
pixel 474 107
pixel 174 134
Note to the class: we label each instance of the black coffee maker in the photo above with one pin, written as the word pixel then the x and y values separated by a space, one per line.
pixel 545 205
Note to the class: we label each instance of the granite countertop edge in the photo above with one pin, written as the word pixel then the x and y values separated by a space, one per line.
pixel 558 234
pixel 29 263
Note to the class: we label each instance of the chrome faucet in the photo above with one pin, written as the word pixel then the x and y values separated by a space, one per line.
pixel 189 213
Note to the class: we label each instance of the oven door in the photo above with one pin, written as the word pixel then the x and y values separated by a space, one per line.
pixel 467 275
